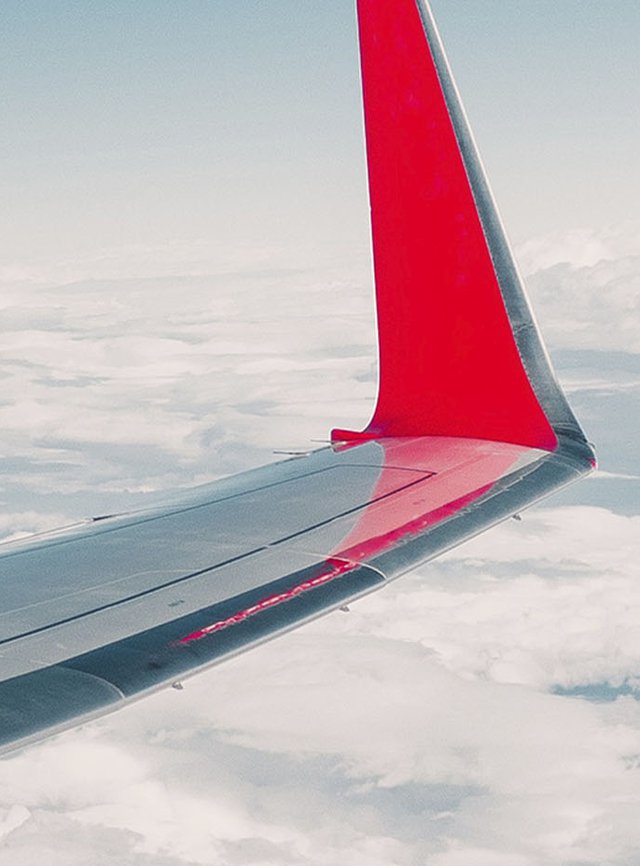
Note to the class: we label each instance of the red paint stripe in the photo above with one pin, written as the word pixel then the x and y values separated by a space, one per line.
pixel 336 569
pixel 449 364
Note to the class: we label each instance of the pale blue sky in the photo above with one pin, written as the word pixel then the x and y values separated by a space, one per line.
pixel 239 124
pixel 440 721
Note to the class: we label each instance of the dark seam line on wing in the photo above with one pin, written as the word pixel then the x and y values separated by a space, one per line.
pixel 137 595
pixel 425 473
pixel 106 531
pixel 346 513
pixel 202 571
pixel 415 469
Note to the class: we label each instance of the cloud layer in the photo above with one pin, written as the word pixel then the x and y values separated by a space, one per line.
pixel 480 711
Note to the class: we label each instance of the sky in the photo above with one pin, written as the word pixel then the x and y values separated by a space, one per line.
pixel 185 287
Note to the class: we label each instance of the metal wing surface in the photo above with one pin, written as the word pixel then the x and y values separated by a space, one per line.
pixel 470 427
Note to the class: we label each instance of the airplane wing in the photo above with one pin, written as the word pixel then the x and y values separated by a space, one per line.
pixel 470 427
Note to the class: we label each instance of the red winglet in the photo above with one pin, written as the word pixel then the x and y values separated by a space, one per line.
pixel 449 364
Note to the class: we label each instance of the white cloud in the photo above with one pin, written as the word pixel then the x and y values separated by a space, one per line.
pixel 18 524
pixel 580 248
pixel 420 728
pixel 212 374
pixel 457 856
pixel 432 695
pixel 595 307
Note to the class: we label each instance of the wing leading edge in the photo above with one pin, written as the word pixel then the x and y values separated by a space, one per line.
pixel 470 427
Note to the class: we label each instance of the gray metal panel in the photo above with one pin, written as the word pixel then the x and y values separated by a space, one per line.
pixel 94 663
pixel 55 643
pixel 46 699
pixel 77 575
